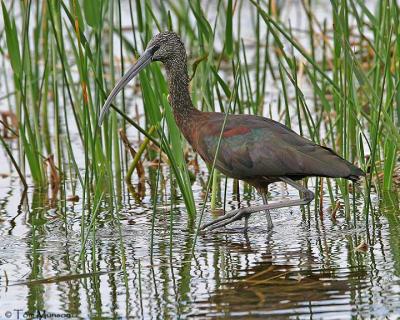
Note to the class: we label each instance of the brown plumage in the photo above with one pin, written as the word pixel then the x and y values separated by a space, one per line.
pixel 255 149
pixel 260 150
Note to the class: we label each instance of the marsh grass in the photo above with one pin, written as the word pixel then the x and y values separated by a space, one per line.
pixel 65 56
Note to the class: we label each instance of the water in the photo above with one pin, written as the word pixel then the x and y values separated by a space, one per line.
pixel 309 264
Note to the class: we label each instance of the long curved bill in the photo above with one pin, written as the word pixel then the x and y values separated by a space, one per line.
pixel 143 61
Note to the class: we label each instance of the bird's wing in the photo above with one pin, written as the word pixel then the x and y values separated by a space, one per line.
pixel 255 146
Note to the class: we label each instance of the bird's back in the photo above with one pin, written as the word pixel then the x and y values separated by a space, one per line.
pixel 254 147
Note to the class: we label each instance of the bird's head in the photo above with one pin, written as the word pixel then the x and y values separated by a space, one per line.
pixel 165 47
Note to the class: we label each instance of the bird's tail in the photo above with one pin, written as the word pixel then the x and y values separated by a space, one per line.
pixel 355 173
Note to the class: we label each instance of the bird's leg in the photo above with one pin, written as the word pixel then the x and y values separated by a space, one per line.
pixel 246 223
pixel 267 213
pixel 307 197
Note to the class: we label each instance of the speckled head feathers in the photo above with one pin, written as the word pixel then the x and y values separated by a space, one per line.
pixel 167 46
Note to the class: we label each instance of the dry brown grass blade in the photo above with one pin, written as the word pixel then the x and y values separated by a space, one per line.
pixel 55 179
pixel 73 198
pixel 362 247
pixel 10 122
pixel 140 193
pixel 132 151
pixel 57 279
pixel 254 276
pixel 335 210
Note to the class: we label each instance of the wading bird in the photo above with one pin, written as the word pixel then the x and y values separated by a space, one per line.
pixel 254 149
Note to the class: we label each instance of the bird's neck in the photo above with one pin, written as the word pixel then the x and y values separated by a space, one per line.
pixel 179 95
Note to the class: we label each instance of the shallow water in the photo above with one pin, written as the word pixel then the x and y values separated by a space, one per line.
pixel 307 267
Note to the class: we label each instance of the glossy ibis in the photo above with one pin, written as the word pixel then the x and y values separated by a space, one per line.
pixel 254 149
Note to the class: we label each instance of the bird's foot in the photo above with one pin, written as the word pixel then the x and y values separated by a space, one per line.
pixel 233 216
pixel 228 218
